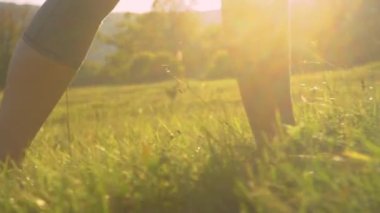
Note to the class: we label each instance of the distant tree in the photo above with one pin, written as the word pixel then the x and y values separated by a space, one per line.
pixel 220 66
pixel 149 66
pixel 170 5
pixel 175 33
pixel 336 33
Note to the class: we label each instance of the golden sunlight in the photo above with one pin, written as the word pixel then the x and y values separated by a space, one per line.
pixel 139 6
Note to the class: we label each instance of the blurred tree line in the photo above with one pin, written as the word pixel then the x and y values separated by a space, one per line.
pixel 331 34
pixel 326 34
pixel 173 41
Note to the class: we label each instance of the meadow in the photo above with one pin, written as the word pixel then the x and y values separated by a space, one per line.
pixel 187 147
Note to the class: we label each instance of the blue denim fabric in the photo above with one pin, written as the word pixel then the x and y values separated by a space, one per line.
pixel 63 30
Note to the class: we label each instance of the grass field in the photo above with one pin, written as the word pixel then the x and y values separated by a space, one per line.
pixel 147 149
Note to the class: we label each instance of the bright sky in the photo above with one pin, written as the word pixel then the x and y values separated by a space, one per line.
pixel 138 5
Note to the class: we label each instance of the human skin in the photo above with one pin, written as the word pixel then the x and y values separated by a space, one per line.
pixel 257 37
pixel 34 85
pixel 43 64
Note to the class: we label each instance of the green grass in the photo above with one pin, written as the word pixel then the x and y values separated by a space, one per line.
pixel 135 149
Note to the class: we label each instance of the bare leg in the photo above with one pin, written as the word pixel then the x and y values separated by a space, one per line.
pixel 256 34
pixel 266 93
pixel 259 103
pixel 52 49
pixel 34 86
pixel 282 92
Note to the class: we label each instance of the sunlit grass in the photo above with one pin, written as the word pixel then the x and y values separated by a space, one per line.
pixel 139 149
